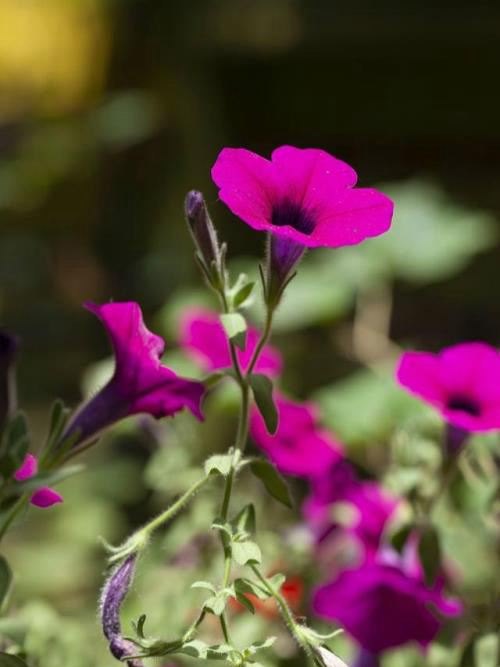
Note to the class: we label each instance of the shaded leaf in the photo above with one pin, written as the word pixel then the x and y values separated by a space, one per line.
pixel 246 552
pixel 219 463
pixel 5 581
pixel 429 551
pixel 262 388
pixel 235 327
pixel 274 483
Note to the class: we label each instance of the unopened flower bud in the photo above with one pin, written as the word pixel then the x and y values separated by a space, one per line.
pixel 8 398
pixel 114 592
pixel 282 257
pixel 203 233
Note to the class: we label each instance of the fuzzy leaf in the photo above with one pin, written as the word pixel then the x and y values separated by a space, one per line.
pixel 274 483
pixel 219 463
pixel 246 552
pixel 245 519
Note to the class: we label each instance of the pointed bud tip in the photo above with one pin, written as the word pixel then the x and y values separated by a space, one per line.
pixel 193 203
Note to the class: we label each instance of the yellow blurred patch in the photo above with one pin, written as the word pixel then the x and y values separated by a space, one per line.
pixel 53 54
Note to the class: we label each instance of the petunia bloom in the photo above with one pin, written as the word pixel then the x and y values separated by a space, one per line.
pixel 299 446
pixel 203 338
pixel 371 508
pixel 382 606
pixel 303 197
pixel 42 497
pixel 140 383
pixel 461 382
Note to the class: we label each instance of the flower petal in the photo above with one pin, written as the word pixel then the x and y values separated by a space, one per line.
pixel 45 497
pixel 247 185
pixel 28 468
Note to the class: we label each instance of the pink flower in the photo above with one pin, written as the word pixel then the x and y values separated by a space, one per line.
pixel 302 194
pixel 372 508
pixel 462 382
pixel 42 497
pixel 204 339
pixel 382 606
pixel 299 446
pixel 140 383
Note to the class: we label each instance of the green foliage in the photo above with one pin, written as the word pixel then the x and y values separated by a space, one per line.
pixel 273 482
pixel 262 388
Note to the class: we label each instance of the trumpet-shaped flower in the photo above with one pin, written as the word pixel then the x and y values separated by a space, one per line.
pixel 140 383
pixel 461 382
pixel 42 497
pixel 299 446
pixel 203 338
pixel 382 606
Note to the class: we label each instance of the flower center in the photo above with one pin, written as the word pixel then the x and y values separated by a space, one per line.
pixel 289 213
pixel 464 404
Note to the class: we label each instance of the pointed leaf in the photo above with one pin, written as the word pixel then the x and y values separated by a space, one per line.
pixel 272 480
pixel 263 392
pixel 243 294
pixel 245 519
pixel 246 552
pixel 219 463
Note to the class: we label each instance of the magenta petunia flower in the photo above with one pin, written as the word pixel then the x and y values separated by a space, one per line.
pixel 299 446
pixel 140 383
pixel 203 338
pixel 462 382
pixel 382 606
pixel 372 508
pixel 42 497
pixel 302 194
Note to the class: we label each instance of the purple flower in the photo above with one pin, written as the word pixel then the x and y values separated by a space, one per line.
pixel 461 382
pixel 203 338
pixel 382 606
pixel 114 592
pixel 304 198
pixel 302 194
pixel 42 497
pixel 372 508
pixel 8 351
pixel 299 446
pixel 140 383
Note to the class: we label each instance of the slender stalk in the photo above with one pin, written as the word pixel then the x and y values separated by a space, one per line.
pixel 266 334
pixel 285 610
pixel 15 510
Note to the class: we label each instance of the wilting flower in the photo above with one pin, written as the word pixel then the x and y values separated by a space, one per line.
pixel 113 595
pixel 462 382
pixel 299 446
pixel 8 350
pixel 382 606
pixel 205 341
pixel 140 383
pixel 371 508
pixel 42 497
pixel 303 197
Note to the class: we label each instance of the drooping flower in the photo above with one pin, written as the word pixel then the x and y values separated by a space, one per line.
pixel 371 508
pixel 42 497
pixel 140 383
pixel 382 606
pixel 299 446
pixel 303 197
pixel 203 338
pixel 461 382
pixel 114 592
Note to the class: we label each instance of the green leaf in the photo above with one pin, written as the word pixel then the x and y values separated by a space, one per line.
pixel 219 463
pixel 195 649
pixel 15 445
pixel 244 586
pixel 58 418
pixel 429 551
pixel 400 537
pixel 259 646
pixel 139 626
pixel 242 294
pixel 7 660
pixel 274 483
pixel 219 524
pixel 51 478
pixel 329 659
pixel 243 600
pixel 217 603
pixel 246 552
pixel 235 327
pixel 245 519
pixel 277 580
pixel 205 585
pixel 263 392
pixel 5 581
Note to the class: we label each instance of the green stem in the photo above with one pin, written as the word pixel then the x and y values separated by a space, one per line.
pixel 138 539
pixel 286 612
pixel 15 510
pixel 266 334
pixel 191 631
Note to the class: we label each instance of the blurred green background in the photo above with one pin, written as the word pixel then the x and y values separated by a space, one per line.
pixel 111 110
